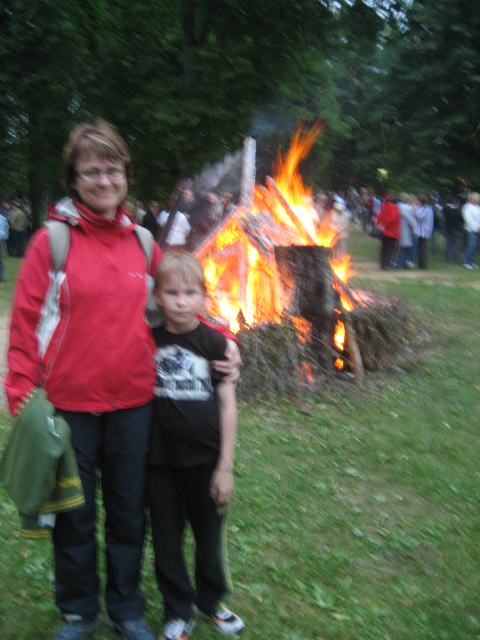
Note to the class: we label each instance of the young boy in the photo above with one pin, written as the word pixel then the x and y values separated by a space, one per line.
pixel 191 455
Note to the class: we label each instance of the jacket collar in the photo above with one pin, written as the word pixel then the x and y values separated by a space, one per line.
pixel 73 212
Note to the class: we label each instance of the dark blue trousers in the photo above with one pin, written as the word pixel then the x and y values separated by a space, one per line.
pixel 175 497
pixel 111 448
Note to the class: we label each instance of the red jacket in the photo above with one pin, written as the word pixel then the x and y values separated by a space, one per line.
pixel 88 344
pixel 389 220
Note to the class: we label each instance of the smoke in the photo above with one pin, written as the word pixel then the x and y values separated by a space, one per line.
pixel 225 175
pixel 272 127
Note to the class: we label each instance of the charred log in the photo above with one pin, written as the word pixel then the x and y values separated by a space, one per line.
pixel 306 279
pixel 306 275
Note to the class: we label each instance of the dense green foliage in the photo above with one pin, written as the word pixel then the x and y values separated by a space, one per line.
pixel 432 93
pixel 185 81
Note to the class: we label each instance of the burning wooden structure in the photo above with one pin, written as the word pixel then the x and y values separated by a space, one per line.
pixel 272 275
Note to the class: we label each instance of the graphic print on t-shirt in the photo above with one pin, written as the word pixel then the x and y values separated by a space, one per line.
pixel 182 375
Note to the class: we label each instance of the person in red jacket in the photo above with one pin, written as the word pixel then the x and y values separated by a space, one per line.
pixel 388 221
pixel 81 334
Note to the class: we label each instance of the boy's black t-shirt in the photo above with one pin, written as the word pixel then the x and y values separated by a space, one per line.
pixel 186 429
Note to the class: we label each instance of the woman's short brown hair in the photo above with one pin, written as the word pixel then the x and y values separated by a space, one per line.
pixel 99 139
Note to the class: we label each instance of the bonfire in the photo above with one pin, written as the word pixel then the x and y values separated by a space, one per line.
pixel 239 257
pixel 260 261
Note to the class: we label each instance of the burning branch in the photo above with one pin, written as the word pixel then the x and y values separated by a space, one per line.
pixel 355 355
pixel 297 223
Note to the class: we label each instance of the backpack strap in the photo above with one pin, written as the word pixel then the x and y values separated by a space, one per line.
pixel 153 313
pixel 146 241
pixel 59 243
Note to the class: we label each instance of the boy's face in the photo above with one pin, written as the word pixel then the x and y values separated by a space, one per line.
pixel 181 301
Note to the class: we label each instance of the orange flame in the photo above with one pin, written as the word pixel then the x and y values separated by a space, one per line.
pixel 303 328
pixel 339 336
pixel 339 340
pixel 343 268
pixel 296 194
pixel 240 275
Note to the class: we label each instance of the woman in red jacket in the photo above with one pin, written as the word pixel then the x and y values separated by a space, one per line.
pixel 388 221
pixel 81 334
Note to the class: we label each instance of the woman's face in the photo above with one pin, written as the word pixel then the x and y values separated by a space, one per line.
pixel 101 185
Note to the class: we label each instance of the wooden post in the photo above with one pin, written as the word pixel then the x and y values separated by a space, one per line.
pixel 248 173
pixel 352 348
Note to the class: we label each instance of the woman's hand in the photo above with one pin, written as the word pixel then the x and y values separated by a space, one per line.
pixel 230 367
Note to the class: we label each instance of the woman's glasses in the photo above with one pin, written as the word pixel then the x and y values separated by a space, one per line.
pixel 93 175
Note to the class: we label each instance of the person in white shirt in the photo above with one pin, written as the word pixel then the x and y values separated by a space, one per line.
pixel 471 218
pixel 178 232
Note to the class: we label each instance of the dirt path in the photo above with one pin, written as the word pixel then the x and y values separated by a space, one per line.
pixel 3 357
pixel 368 270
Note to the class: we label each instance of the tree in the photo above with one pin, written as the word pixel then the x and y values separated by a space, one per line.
pixel 431 95
pixel 187 94
pixel 395 83
pixel 180 80
pixel 41 53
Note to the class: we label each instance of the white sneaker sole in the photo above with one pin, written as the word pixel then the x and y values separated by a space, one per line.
pixel 224 632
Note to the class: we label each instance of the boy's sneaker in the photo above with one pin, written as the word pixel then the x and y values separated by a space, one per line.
pixel 136 629
pixel 468 266
pixel 178 629
pixel 78 629
pixel 223 620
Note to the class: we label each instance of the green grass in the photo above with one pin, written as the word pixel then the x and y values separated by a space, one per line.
pixel 359 520
pixel 6 288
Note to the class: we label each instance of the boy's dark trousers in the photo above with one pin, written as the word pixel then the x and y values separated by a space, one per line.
pixel 177 496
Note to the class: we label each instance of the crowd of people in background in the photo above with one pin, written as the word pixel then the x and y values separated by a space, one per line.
pixel 182 222
pixel 407 225
pixel 15 221
pixel 18 215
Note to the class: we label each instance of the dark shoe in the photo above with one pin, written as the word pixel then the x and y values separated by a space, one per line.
pixel 77 630
pixel 132 629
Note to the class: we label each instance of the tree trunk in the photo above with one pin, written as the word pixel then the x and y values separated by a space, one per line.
pixel 35 195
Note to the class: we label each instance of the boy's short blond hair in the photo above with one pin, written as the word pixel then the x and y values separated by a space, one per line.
pixel 181 266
